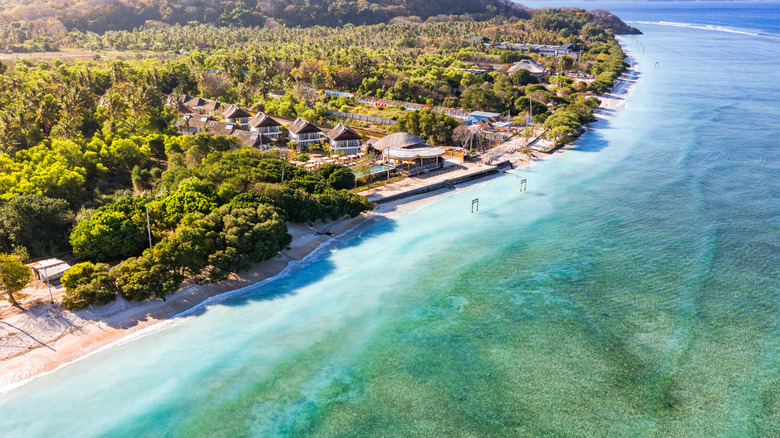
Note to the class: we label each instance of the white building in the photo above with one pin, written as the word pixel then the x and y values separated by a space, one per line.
pixel 344 139
pixel 262 123
pixel 304 134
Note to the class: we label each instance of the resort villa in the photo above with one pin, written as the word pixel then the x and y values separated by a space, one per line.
pixel 304 134
pixel 344 140
pixel 236 115
pixel 252 139
pixel 210 107
pixel 194 105
pixel 191 124
pixel 262 123
pixel 193 102
pixel 571 49
pixel 259 131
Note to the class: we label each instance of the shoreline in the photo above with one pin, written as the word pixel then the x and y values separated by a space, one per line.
pixel 88 331
pixel 52 337
pixel 59 338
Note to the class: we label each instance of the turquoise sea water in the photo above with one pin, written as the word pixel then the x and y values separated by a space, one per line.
pixel 633 290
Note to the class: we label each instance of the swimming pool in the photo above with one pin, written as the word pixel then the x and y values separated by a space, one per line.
pixel 376 169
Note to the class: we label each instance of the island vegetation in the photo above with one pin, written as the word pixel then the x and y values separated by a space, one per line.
pixel 88 149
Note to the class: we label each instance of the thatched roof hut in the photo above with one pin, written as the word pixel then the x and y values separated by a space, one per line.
pixel 527 64
pixel 398 140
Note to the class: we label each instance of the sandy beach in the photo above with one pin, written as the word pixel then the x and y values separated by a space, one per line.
pixel 45 337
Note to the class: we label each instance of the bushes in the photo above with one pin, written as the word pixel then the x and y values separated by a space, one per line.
pixel 144 277
pixel 87 284
pixel 113 231
pixel 338 176
pixel 192 196
pixel 611 63
pixel 229 240
pixel 35 222
pixel 435 127
pixel 525 104
pixel 341 179
pixel 208 240
pixel 246 235
pixel 299 206
pixel 14 276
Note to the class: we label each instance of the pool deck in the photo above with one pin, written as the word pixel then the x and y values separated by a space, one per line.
pixel 453 173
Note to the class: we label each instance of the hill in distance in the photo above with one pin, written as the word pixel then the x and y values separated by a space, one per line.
pixel 102 15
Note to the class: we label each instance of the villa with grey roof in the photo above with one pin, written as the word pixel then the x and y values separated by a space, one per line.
pixel 264 124
pixel 304 133
pixel 344 140
pixel 236 115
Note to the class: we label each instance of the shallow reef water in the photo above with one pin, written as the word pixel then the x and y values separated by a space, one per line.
pixel 633 290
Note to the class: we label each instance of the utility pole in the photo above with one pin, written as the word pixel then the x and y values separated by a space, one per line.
pixel 48 284
pixel 148 227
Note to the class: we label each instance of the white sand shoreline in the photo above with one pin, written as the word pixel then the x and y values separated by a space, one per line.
pixel 90 332
pixel 56 350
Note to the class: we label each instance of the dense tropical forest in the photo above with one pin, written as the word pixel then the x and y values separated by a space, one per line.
pixel 88 148
pixel 88 152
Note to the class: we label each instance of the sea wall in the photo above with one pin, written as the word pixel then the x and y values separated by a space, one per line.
pixel 448 183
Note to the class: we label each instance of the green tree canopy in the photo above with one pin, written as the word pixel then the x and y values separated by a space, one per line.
pixel 192 196
pixel 14 276
pixel 87 284
pixel 37 223
pixel 145 277
pixel 113 231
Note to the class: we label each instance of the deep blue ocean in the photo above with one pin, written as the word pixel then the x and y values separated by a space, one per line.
pixel 633 290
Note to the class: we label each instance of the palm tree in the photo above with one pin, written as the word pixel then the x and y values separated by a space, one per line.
pixel 8 142
pixel 47 112
pixel 19 116
pixel 142 96
pixel 114 105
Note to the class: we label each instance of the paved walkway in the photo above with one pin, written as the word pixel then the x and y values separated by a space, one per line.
pixel 412 184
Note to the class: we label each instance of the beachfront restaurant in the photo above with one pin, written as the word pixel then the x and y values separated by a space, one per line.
pixel 415 161
pixel 409 153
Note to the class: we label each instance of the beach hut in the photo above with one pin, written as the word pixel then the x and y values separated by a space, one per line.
pixel 398 140
pixel 416 160
pixel 50 270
